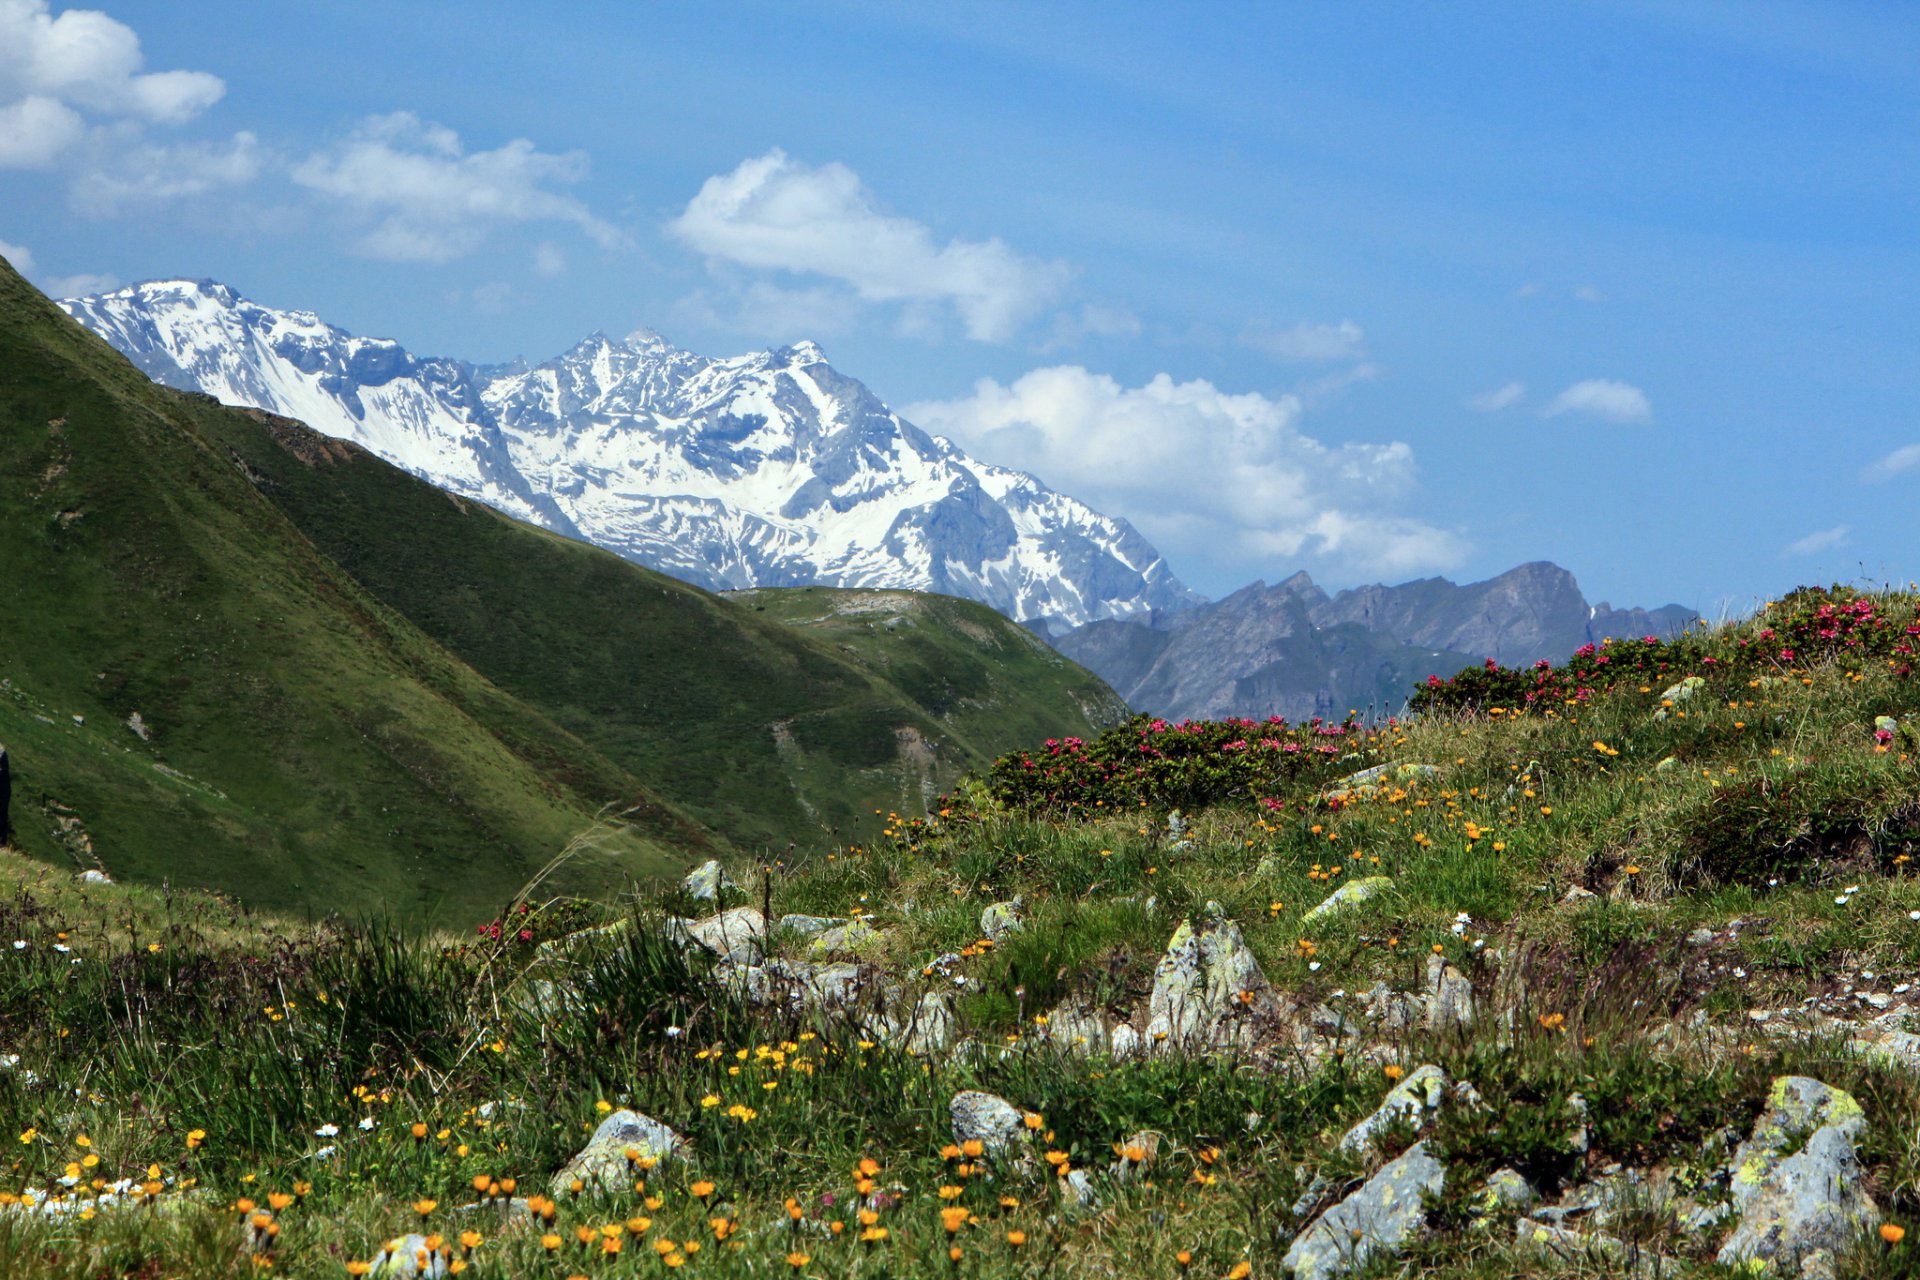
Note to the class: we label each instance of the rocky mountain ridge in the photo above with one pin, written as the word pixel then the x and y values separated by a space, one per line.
pixel 762 470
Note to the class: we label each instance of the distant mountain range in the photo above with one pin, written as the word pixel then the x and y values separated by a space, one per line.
pixel 1294 651
pixel 763 470
pixel 244 655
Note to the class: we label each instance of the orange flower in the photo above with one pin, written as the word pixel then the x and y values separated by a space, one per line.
pixel 1892 1233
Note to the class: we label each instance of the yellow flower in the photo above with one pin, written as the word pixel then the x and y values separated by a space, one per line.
pixel 711 1100
pixel 1016 1238
pixel 195 1138
pixel 603 1106
pixel 701 1190
pixel 796 1260
pixel 1241 1270
pixel 549 1242
pixel 425 1207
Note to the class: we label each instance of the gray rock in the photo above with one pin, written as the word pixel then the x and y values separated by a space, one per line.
pixel 734 936
pixel 1383 1213
pixel 94 876
pixel 1078 1190
pixel 856 937
pixel 986 1118
pixel 1566 1245
pixel 1449 1005
pixel 1003 919
pixel 1350 894
pixel 808 926
pixel 607 1163
pixel 1506 1190
pixel 1410 1102
pixel 1207 977
pixel 1078 1029
pixel 1125 1041
pixel 708 881
pixel 926 1026
pixel 1146 1146
pixel 409 1256
pixel 1578 893
pixel 1796 1182
pixel 800 985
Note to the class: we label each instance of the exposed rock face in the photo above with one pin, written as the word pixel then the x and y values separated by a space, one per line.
pixel 1379 1216
pixel 409 1256
pixel 708 881
pixel 733 936
pixel 1291 650
pixel 1003 919
pixel 1797 1182
pixel 1350 894
pixel 610 1158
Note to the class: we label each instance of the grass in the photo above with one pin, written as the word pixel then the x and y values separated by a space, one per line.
pixel 354 691
pixel 1772 863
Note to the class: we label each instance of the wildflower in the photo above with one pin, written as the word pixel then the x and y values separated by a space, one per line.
pixel 1016 1238
pixel 1394 1071
pixel 1892 1233
pixel 195 1138
pixel 1241 1270
pixel 549 1242
pixel 425 1207
pixel 797 1260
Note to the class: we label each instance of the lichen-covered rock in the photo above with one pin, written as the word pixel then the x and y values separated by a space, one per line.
pixel 1796 1183
pixel 708 881
pixel 1003 919
pixel 1566 1245
pixel 808 926
pixel 800 985
pixel 1077 1028
pixel 1207 977
pixel 1383 1213
pixel 1368 783
pixel 855 938
pixel 1350 894
pixel 1505 1190
pixel 924 1026
pixel 1410 1102
pixel 986 1118
pixel 616 1151
pixel 734 936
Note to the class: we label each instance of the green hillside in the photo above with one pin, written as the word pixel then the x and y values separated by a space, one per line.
pixel 296 742
pixel 768 734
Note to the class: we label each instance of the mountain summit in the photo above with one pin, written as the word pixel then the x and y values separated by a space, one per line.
pixel 767 469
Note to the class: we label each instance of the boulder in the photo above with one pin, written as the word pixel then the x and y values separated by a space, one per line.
pixel 733 936
pixel 925 1026
pixel 856 937
pixel 800 985
pixel 1567 1246
pixel 1384 1212
pixel 1352 893
pixel 986 1118
pixel 1079 1029
pixel 609 1160
pixel 1002 919
pixel 1449 1005
pixel 1797 1182
pixel 1505 1189
pixel 1368 783
pixel 1408 1103
pixel 809 926
pixel 1207 976
pixel 708 881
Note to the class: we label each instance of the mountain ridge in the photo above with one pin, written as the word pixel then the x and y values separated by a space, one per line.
pixel 761 470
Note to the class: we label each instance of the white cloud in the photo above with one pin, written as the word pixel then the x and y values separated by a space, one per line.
pixel 19 255
pixel 148 173
pixel 1308 343
pixel 1814 543
pixel 79 286
pixel 548 260
pixel 55 71
pixel 1589 293
pixel 1905 458
pixel 1603 398
pixel 775 213
pixel 1499 398
pixel 1203 472
pixel 428 199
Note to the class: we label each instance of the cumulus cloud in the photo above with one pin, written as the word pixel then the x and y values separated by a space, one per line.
pixel 149 173
pixel 19 255
pixel 1905 458
pixel 775 213
pixel 79 286
pixel 423 197
pixel 1503 397
pixel 57 72
pixel 1814 543
pixel 1308 343
pixel 1603 398
pixel 1203 472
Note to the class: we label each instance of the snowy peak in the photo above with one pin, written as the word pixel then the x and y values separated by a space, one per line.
pixel 766 469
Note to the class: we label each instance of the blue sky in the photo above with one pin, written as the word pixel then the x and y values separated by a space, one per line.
pixel 1376 291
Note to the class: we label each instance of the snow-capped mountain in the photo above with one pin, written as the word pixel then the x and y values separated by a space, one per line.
pixel 768 469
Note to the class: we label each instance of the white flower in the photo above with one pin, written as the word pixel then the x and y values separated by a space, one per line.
pixel 1840 901
pixel 366 1124
pixel 62 947
pixel 674 1033
pixel 1913 915
pixel 1313 966
pixel 326 1131
pixel 19 944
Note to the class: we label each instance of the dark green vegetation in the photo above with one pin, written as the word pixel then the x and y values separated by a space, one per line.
pixel 355 691
pixel 1637 997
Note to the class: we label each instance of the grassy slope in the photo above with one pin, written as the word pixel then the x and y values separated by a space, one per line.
pixel 759 730
pixel 1779 778
pixel 308 746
